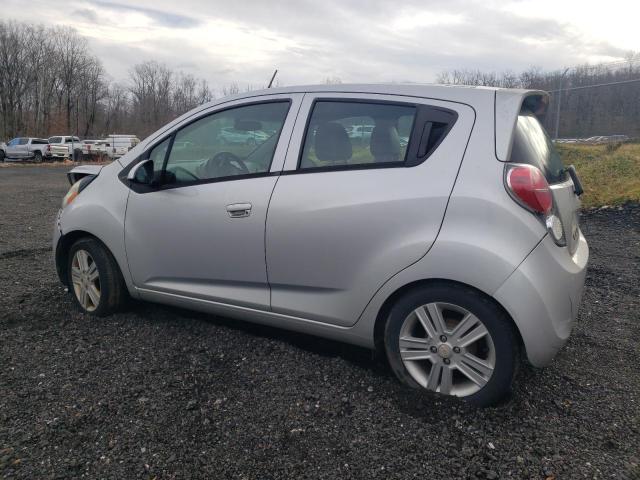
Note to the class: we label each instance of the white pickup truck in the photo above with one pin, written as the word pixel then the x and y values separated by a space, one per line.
pixel 23 148
pixel 90 149
pixel 65 146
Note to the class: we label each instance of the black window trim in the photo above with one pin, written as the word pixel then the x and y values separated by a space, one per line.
pixel 142 188
pixel 425 113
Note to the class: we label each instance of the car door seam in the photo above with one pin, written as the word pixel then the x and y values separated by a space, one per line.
pixel 266 215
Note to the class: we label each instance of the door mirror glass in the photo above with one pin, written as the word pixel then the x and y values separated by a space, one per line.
pixel 142 173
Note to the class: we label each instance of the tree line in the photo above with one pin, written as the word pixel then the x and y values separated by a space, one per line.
pixel 601 99
pixel 51 83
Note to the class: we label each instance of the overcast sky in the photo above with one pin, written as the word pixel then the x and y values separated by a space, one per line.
pixel 354 40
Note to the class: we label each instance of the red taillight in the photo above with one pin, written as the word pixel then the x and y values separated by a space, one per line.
pixel 530 187
pixel 48 148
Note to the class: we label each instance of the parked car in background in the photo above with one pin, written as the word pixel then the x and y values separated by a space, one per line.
pixel 65 146
pixel 231 135
pixel 25 148
pixel 449 254
pixel 116 146
pixel 89 149
pixel 360 133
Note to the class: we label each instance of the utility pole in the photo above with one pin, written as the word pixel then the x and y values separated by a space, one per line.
pixel 555 136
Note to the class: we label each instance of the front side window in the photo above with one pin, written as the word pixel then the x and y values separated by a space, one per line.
pixel 238 141
pixel 14 142
pixel 357 133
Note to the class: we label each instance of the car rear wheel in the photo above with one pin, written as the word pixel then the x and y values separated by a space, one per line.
pixel 37 157
pixel 1 155
pixel 454 341
pixel 94 278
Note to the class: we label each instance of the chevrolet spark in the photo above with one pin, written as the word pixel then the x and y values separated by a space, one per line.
pixel 448 238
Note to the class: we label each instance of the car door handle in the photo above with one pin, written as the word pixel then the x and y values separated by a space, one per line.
pixel 239 210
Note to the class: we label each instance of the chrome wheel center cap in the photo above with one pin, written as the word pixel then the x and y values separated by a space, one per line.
pixel 444 350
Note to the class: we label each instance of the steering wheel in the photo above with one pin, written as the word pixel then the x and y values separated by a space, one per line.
pixel 226 164
pixel 185 171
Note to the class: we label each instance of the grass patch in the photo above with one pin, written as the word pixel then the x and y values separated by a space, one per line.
pixel 610 176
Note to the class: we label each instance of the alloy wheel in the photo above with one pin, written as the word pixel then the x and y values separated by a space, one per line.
pixel 447 349
pixel 86 280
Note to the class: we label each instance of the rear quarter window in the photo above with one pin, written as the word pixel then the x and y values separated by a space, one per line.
pixel 532 146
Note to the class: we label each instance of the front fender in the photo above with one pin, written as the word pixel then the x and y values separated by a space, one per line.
pixel 99 211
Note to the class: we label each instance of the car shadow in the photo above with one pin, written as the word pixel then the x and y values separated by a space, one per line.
pixel 418 403
pixel 359 356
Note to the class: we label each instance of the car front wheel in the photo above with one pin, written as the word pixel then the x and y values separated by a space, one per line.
pixel 94 278
pixel 452 340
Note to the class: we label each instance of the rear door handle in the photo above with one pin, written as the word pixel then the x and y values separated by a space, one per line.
pixel 239 210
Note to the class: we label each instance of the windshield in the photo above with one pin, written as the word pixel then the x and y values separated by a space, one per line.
pixel 532 146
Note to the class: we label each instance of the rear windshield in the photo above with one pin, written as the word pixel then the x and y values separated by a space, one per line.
pixel 531 145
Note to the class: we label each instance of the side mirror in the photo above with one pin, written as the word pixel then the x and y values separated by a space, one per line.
pixel 142 173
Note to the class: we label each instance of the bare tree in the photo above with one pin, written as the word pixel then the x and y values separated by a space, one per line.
pixel 73 58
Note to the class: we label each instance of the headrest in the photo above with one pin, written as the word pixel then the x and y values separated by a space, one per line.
pixel 385 143
pixel 332 143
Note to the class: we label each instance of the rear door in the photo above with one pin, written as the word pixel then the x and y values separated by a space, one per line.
pixel 350 211
pixel 22 149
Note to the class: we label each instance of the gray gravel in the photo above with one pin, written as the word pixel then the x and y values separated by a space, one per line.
pixel 165 393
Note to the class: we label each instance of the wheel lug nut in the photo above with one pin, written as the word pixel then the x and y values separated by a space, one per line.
pixel 434 349
pixel 443 338
pixel 447 361
pixel 456 349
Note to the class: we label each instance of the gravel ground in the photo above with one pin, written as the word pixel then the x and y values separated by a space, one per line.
pixel 165 393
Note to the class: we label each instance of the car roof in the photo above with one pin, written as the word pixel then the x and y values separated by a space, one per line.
pixel 505 102
pixel 459 93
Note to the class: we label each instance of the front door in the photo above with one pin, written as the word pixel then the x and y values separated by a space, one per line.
pixel 16 148
pixel 200 233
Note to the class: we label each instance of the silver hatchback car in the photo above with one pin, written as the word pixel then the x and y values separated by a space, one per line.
pixel 451 251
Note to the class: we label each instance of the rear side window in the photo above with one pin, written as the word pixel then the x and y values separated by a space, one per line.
pixel 357 133
pixel 532 146
pixel 39 141
pixel 23 141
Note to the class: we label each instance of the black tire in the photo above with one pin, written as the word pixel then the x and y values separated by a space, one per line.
pixel 497 322
pixel 113 291
pixel 2 156
pixel 37 157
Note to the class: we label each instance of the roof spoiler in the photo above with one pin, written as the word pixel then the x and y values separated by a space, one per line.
pixel 508 105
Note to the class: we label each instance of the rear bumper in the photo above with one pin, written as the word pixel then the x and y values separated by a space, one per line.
pixel 543 296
